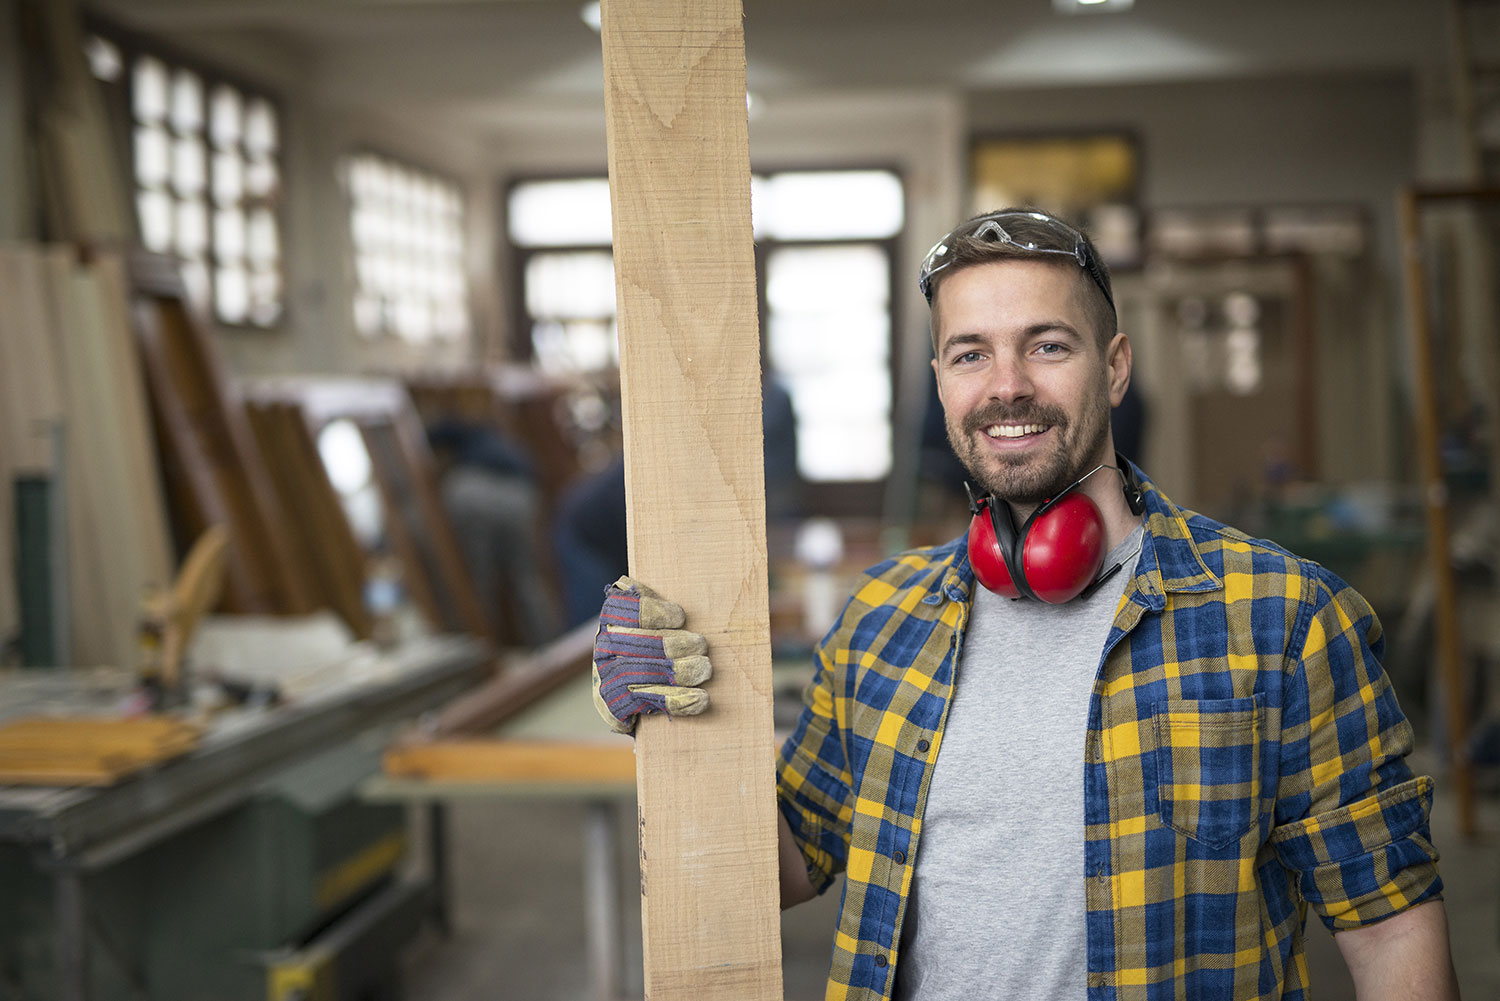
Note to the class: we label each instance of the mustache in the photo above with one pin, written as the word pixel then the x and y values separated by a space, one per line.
pixel 1000 413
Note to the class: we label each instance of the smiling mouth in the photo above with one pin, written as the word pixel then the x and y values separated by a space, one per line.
pixel 1016 430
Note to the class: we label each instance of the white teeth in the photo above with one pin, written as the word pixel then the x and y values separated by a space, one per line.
pixel 1014 430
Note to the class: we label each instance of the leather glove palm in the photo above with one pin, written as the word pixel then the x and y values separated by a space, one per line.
pixel 644 662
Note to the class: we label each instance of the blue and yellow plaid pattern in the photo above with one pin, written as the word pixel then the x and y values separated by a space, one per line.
pixel 1243 761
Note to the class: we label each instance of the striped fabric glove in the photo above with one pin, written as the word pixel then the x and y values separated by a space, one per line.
pixel 644 662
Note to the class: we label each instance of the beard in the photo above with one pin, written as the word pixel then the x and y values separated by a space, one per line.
pixel 1031 479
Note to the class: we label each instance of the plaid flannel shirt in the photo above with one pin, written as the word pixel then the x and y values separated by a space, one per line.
pixel 1243 760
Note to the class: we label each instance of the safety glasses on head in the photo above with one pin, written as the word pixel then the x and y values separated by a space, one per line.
pixel 992 229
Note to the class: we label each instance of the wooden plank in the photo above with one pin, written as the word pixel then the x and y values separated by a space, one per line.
pixel 521 683
pixel 102 605
pixel 519 762
pixel 674 73
pixel 1435 493
pixel 321 530
pixel 215 472
pixel 417 523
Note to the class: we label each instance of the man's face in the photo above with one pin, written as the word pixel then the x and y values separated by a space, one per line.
pixel 1026 387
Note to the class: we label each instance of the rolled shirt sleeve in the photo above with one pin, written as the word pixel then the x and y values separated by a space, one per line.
pixel 813 781
pixel 1351 819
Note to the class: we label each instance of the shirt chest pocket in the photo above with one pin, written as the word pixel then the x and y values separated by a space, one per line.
pixel 1208 767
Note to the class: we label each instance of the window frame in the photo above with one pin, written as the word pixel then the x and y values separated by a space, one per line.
pixel 442 177
pixel 119 98
pixel 856 498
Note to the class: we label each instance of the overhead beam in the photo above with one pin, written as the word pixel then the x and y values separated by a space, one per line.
pixel 679 166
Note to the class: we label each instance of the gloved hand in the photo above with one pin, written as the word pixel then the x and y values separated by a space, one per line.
pixel 644 662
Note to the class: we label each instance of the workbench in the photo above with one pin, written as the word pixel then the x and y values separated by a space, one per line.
pixel 557 748
pixel 70 833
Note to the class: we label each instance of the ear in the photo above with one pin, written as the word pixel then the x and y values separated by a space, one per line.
pixel 1117 357
pixel 939 379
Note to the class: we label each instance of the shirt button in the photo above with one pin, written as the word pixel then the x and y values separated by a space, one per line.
pixel 1096 980
pixel 899 857
pixel 923 745
pixel 880 961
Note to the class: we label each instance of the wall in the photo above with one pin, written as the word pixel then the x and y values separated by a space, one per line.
pixel 15 197
pixel 1346 139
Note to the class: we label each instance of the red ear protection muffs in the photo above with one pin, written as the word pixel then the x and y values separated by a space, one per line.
pixel 1056 555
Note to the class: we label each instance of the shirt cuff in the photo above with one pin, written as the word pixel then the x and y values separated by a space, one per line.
pixel 1365 861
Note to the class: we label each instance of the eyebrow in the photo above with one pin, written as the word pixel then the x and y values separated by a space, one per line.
pixel 1035 329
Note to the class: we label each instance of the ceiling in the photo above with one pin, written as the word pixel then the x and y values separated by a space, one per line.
pixel 486 63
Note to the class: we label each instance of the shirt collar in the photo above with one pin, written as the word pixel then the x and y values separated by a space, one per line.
pixel 1169 559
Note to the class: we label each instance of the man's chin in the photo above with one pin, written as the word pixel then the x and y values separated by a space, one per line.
pixel 1021 484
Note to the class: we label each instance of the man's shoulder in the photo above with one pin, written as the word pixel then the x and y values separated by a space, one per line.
pixel 893 580
pixel 1226 550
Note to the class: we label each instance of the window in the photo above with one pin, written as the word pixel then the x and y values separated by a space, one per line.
pixel 406 227
pixel 826 237
pixel 562 229
pixel 206 163
pixel 826 244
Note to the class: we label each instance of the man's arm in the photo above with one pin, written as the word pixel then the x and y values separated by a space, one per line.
pixel 796 887
pixel 1404 957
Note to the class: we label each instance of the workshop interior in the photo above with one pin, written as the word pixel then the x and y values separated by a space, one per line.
pixel 312 451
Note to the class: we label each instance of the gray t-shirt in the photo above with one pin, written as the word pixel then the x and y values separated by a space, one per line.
pixel 997 901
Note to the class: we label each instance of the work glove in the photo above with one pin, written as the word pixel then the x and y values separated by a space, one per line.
pixel 644 662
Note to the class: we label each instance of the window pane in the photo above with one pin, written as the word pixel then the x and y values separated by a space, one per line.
pixel 187 102
pixel 262 242
pixel 260 178
pixel 560 213
pixel 150 90
pixel 152 156
pixel 830 205
pixel 260 127
pixel 408 256
pixel 229 235
pixel 571 286
pixel 229 178
pixel 192 228
pixel 232 294
pixel 188 168
pixel 828 339
pixel 577 346
pixel 155 209
pixel 224 123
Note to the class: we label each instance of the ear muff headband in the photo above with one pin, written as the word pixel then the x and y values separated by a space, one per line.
pixel 1056 555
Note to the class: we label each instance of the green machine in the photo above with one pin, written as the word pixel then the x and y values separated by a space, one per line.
pixel 294 894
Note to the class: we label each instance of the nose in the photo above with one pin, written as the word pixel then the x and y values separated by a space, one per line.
pixel 1009 380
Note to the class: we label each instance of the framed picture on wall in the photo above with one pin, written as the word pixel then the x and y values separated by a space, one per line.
pixel 1091 179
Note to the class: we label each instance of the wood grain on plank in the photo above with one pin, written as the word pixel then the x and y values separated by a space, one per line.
pixel 679 169
pixel 518 762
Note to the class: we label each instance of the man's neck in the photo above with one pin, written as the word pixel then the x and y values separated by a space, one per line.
pixel 1106 489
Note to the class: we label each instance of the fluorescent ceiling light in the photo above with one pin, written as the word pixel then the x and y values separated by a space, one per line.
pixel 590 15
pixel 1091 6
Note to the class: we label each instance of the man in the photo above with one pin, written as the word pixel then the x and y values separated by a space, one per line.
pixel 1130 783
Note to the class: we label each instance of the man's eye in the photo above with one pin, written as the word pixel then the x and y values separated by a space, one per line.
pixel 966 358
pixel 1051 348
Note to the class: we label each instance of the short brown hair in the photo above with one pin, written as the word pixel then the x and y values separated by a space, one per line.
pixel 1031 234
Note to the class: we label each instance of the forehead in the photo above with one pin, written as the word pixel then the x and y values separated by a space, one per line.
pixel 1010 295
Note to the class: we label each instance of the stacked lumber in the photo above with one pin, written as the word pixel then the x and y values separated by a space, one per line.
pixel 214 471
pixel 418 526
pixel 59 751
pixel 321 530
pixel 69 362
